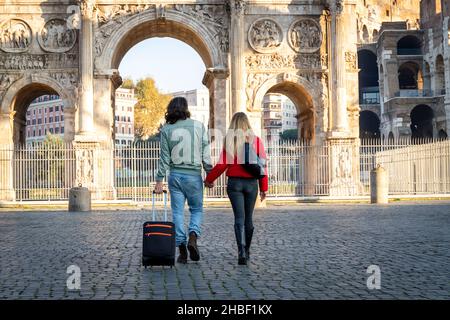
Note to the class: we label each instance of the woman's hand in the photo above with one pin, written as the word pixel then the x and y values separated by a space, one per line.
pixel 262 194
pixel 209 184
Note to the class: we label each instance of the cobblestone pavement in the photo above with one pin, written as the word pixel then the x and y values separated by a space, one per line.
pixel 301 252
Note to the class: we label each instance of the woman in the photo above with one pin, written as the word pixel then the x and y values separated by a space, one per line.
pixel 242 188
pixel 184 158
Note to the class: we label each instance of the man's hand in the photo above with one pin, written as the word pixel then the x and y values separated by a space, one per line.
pixel 159 187
pixel 262 194
pixel 209 184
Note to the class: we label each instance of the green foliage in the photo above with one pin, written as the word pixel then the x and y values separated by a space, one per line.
pixel 150 108
pixel 128 83
pixel 290 134
pixel 52 155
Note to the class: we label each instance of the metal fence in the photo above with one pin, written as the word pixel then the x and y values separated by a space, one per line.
pixel 295 169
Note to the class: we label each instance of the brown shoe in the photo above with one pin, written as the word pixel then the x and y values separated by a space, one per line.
pixel 182 258
pixel 194 254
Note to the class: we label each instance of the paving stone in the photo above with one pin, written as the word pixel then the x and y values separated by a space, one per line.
pixel 301 252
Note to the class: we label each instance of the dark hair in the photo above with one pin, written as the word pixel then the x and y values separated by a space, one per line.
pixel 177 110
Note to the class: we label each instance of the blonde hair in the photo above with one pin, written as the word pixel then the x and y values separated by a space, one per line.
pixel 239 132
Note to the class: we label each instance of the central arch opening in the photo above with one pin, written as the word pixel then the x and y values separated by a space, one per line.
pixel 177 57
pixel 157 61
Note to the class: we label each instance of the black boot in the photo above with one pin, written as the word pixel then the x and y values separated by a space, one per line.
pixel 248 242
pixel 194 254
pixel 182 258
pixel 240 241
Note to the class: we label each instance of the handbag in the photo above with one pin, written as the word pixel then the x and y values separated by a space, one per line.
pixel 253 164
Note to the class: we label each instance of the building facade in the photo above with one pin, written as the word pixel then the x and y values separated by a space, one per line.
pixel 306 50
pixel 404 76
pixel 279 115
pixel 45 115
pixel 125 101
pixel 198 102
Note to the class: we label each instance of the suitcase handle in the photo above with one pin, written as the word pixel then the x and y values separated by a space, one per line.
pixel 165 204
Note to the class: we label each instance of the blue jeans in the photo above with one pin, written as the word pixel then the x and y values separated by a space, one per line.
pixel 184 187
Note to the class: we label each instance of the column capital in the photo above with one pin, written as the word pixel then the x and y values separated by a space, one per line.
pixel 238 6
pixel 336 7
pixel 87 8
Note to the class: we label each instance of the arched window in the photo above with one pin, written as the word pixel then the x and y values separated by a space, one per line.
pixel 409 76
pixel 365 34
pixel 369 125
pixel 409 45
pixel 422 121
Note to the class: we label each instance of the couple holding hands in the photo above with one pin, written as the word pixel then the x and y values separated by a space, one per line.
pixel 185 150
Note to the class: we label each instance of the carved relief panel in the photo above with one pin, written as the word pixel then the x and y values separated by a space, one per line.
pixel 56 36
pixel 265 35
pixel 15 36
pixel 305 35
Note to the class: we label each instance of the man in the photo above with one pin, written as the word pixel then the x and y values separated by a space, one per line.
pixel 184 150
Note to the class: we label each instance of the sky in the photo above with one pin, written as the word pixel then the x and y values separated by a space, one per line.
pixel 174 65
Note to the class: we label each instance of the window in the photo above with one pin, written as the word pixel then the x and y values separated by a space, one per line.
pixel 39 121
pixel 39 132
pixel 124 142
pixel 50 120
pixel 62 129
pixel 28 122
pixel 56 130
pixel 34 121
pixel 62 118
pixel 57 108
pixel 51 130
pixel 50 109
pixel 129 130
pixel 40 111
pixel 57 119
pixel 129 119
pixel 117 141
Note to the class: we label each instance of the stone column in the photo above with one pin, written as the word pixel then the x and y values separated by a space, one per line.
pixel 86 96
pixel 69 123
pixel 238 96
pixel 446 49
pixel 6 158
pixel 217 81
pixel 338 72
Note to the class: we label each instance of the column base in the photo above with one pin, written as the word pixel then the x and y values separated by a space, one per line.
pixel 7 195
pixel 86 137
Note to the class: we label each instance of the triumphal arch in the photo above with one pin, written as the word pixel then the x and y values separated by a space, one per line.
pixel 304 49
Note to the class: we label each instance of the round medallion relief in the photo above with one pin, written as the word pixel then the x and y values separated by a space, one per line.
pixel 265 35
pixel 305 35
pixel 56 36
pixel 15 36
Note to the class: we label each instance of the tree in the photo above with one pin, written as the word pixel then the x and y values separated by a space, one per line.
pixel 290 134
pixel 128 83
pixel 150 108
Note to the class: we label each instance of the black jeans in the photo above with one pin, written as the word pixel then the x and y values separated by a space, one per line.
pixel 242 193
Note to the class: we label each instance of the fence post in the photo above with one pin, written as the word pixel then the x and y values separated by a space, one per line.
pixel 379 185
